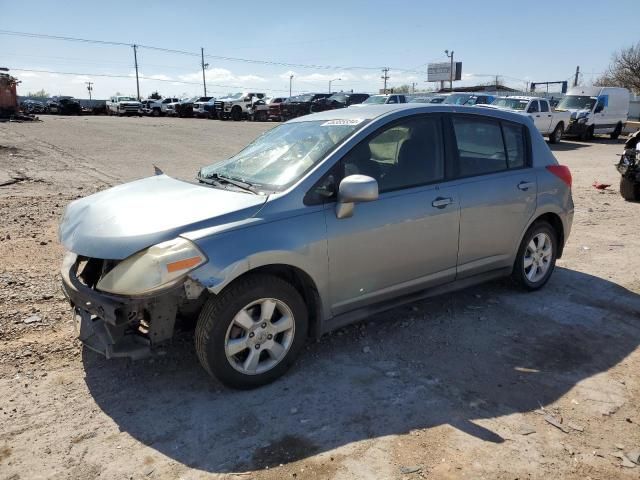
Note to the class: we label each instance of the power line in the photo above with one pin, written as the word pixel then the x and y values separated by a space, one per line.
pixel 194 54
pixel 142 77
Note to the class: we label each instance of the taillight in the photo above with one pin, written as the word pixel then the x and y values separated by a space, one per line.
pixel 562 172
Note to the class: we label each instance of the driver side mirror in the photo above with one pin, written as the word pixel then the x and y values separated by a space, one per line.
pixel 354 189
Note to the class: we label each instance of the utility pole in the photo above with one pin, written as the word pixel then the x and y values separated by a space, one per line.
pixel 385 77
pixel 413 87
pixel 496 83
pixel 575 80
pixel 204 67
pixel 333 80
pixel 290 83
pixel 446 52
pixel 135 59
pixel 89 88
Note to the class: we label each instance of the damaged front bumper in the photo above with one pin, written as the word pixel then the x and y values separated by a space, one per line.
pixel 116 325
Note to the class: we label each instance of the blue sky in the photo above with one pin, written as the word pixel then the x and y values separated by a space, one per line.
pixel 519 40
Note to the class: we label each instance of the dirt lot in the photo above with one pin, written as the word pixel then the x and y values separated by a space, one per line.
pixel 461 386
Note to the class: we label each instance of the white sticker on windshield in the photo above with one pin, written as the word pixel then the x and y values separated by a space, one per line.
pixel 343 121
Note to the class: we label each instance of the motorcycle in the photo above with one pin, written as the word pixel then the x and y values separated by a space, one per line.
pixel 629 168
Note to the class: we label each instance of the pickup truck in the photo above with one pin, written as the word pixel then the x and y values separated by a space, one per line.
pixel 204 107
pixel 158 108
pixel 237 106
pixel 123 106
pixel 548 121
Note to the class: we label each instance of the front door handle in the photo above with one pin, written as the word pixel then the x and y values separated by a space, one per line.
pixel 524 186
pixel 442 202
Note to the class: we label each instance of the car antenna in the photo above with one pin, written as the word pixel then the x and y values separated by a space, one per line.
pixel 157 170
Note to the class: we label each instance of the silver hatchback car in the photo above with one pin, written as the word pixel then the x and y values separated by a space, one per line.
pixel 318 223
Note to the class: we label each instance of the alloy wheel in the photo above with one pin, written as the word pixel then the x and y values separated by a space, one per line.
pixel 537 257
pixel 259 336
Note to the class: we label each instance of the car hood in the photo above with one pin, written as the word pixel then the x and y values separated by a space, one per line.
pixel 575 112
pixel 118 222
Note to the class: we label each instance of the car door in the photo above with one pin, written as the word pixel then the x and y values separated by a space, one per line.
pixel 534 112
pixel 546 117
pixel 408 238
pixel 496 188
pixel 600 117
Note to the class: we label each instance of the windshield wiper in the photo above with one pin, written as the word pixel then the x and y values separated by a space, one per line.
pixel 249 187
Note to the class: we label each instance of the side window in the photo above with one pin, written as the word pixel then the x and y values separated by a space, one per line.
pixel 514 139
pixel 544 106
pixel 480 146
pixel 404 155
pixel 533 107
pixel 392 99
pixel 260 95
pixel 402 99
pixel 599 106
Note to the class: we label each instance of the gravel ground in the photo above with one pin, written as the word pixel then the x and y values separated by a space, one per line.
pixel 488 383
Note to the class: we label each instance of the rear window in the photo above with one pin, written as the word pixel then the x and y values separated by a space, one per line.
pixel 488 146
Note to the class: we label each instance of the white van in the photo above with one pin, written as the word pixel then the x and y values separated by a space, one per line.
pixel 596 110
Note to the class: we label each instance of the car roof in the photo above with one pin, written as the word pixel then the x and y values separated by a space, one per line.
pixel 371 112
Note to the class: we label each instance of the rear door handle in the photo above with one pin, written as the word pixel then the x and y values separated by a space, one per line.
pixel 442 202
pixel 524 186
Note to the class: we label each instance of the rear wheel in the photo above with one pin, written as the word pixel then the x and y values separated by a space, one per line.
pixel 629 189
pixel 536 256
pixel 616 132
pixel 251 333
pixel 556 135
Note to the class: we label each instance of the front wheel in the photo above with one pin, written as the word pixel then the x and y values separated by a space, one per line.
pixel 629 189
pixel 236 114
pixel 556 135
pixel 251 333
pixel 536 256
pixel 588 134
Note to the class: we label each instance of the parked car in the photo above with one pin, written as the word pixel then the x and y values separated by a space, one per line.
pixel 204 107
pixel 236 107
pixel 119 105
pixel 170 108
pixel 385 99
pixel 468 99
pixel 438 99
pixel 300 105
pixel 596 110
pixel 259 111
pixel 338 100
pixel 549 122
pixel 274 112
pixel 320 222
pixel 184 108
pixel 146 106
pixel 33 106
pixel 157 108
pixel 64 105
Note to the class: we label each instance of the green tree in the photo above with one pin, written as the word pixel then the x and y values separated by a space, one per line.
pixel 38 94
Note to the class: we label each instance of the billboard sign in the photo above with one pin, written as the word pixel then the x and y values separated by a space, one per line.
pixel 438 72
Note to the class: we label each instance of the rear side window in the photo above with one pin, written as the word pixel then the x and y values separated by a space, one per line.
pixel 544 106
pixel 480 146
pixel 514 140
pixel 533 108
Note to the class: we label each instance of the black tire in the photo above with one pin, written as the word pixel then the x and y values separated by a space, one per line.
pixel 616 132
pixel 556 135
pixel 519 274
pixel 236 114
pixel 629 189
pixel 587 135
pixel 217 316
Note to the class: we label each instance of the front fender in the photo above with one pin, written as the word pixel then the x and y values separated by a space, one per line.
pixel 299 241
